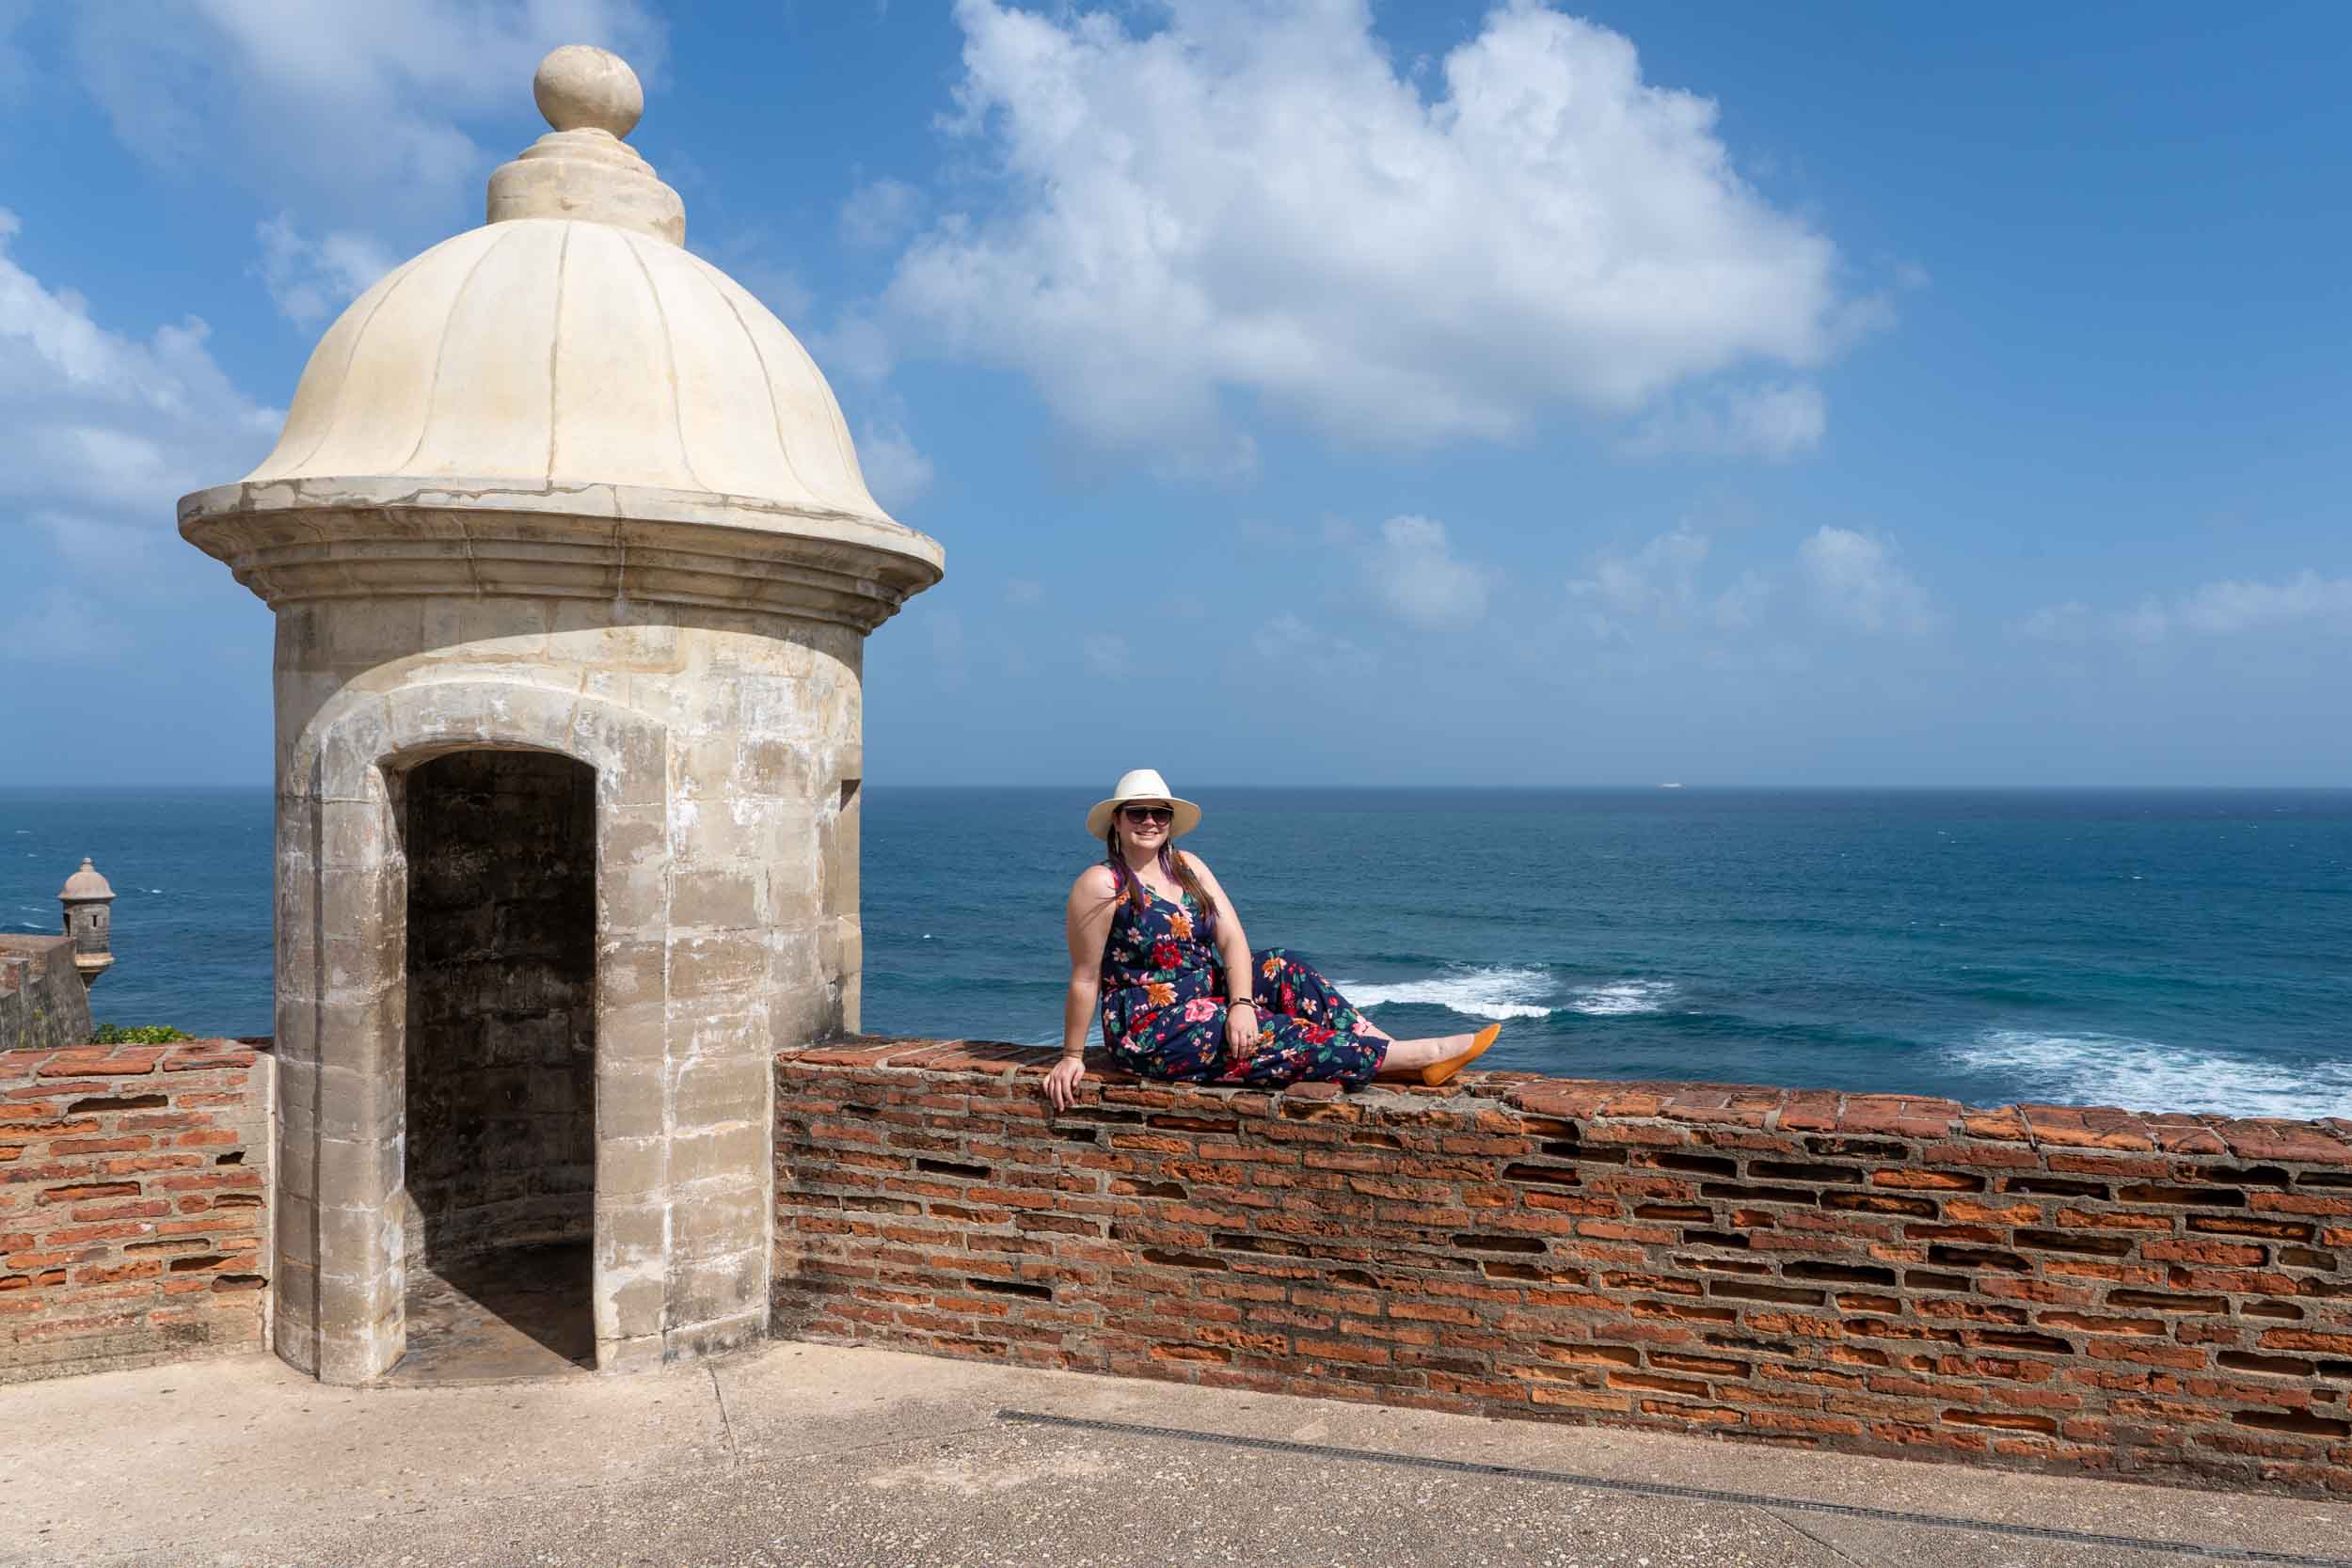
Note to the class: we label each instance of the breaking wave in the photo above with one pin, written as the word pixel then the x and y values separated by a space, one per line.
pixel 1492 993
pixel 2083 1068
pixel 1623 996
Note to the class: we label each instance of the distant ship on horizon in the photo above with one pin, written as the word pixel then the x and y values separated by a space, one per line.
pixel 1670 786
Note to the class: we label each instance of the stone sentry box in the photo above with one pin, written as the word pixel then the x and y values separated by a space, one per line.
pixel 556 487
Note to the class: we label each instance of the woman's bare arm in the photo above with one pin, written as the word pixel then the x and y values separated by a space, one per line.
pixel 1087 923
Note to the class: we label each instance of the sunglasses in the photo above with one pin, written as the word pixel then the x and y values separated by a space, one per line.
pixel 1148 814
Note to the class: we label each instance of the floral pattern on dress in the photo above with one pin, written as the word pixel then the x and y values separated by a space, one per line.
pixel 1164 1005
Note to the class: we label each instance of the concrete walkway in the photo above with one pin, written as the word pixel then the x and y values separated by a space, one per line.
pixel 806 1454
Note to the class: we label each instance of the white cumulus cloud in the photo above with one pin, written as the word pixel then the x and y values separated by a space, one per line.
pixel 309 278
pixel 1254 200
pixel 1289 643
pixel 895 473
pixel 2075 623
pixel 353 107
pixel 1659 586
pixel 2224 607
pixel 1411 568
pixel 879 213
pixel 100 430
pixel 1778 421
pixel 349 115
pixel 1104 655
pixel 1855 582
pixel 1671 592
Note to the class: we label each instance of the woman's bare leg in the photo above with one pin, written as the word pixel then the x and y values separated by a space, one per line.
pixel 1405 1056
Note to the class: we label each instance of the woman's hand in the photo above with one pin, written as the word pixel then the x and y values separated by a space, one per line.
pixel 1061 1084
pixel 1241 1029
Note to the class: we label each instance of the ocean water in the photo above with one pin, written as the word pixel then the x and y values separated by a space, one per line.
pixel 191 874
pixel 2171 950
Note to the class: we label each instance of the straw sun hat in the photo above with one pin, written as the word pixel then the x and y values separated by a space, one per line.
pixel 1142 784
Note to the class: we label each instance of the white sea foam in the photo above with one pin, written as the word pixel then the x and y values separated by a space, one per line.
pixel 2143 1075
pixel 1623 996
pixel 1496 993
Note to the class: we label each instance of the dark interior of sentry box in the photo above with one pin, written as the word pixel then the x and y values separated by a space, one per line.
pixel 500 1150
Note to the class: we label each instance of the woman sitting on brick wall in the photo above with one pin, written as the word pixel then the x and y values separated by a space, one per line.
pixel 1154 942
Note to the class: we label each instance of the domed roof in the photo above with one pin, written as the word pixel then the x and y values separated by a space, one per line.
pixel 86 884
pixel 571 341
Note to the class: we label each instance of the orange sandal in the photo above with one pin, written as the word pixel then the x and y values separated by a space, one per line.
pixel 1439 1071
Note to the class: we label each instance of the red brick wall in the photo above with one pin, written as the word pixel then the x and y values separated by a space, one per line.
pixel 2091 1291
pixel 134 1204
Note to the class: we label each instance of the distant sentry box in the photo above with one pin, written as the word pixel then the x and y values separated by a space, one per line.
pixel 45 981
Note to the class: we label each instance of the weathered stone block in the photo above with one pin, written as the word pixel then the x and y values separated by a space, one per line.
pixel 723 898
pixel 630 1310
pixel 356 1241
pixel 712 1219
pixel 632 1100
pixel 633 970
pixel 707 1290
pixel 631 1235
pixel 358 1171
pixel 725 1151
pixel 637 1353
pixel 629 1170
pixel 360 1103
pixel 630 1034
pixel 716 1089
pixel 717 1336
pixel 362 1033
pixel 296 1227
pixel 724 965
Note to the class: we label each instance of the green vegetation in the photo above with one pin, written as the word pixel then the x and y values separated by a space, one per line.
pixel 146 1034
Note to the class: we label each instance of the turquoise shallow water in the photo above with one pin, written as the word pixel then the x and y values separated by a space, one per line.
pixel 2175 950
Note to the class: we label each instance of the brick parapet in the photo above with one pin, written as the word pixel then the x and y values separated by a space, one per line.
pixel 134 1204
pixel 2071 1288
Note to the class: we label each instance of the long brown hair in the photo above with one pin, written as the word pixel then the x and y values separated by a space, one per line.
pixel 1173 866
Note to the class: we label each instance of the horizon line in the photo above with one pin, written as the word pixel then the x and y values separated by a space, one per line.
pixel 1360 789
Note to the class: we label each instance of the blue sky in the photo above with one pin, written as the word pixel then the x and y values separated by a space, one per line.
pixel 1309 392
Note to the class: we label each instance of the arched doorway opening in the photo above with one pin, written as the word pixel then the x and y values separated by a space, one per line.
pixel 500 1137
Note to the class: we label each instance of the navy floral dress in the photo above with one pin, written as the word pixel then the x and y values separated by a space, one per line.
pixel 1164 1005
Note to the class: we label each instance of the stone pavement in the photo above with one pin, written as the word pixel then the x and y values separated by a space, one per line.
pixel 795 1453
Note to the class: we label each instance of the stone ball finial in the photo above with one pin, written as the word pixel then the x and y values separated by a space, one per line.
pixel 582 88
pixel 581 170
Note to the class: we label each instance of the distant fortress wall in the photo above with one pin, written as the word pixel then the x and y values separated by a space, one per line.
pixel 2085 1291
pixel 43 1000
